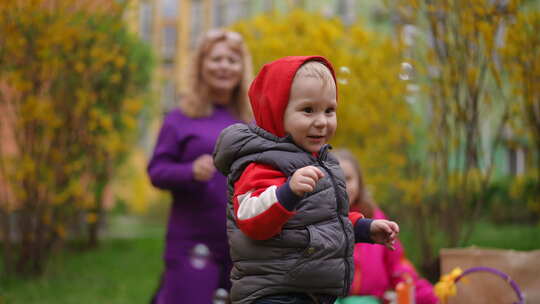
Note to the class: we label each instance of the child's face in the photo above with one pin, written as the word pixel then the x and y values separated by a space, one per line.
pixel 351 177
pixel 310 116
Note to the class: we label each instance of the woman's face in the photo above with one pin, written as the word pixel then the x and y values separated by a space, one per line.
pixel 222 68
pixel 351 177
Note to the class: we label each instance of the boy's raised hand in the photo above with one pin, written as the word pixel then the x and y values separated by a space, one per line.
pixel 384 232
pixel 305 179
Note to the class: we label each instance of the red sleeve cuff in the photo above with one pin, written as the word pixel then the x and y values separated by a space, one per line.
pixel 355 216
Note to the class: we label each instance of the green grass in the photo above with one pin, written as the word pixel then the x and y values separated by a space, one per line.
pixel 508 236
pixel 122 270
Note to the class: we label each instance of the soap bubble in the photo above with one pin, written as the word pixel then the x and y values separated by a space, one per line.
pixel 406 72
pixel 221 296
pixel 199 256
pixel 344 73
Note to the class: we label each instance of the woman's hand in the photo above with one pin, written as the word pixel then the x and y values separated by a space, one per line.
pixel 305 179
pixel 203 168
pixel 384 232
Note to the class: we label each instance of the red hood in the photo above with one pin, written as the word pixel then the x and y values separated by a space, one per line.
pixel 269 92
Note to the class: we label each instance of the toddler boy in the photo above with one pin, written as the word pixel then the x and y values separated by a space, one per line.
pixel 290 231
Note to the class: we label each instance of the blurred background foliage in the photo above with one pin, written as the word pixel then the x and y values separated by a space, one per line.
pixel 72 83
pixel 439 100
pixel 476 102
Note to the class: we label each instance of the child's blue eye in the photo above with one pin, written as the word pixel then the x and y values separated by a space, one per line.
pixel 308 110
pixel 330 110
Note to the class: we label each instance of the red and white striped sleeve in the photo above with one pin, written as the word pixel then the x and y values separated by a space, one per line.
pixel 263 201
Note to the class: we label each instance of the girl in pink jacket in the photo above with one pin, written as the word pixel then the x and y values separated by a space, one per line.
pixel 377 268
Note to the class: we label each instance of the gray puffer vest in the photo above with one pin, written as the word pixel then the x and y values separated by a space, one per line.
pixel 313 252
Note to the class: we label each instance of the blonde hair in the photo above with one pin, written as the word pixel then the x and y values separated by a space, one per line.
pixel 317 70
pixel 195 102
pixel 364 201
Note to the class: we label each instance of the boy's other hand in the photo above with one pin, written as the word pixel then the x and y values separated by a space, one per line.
pixel 384 232
pixel 305 179
pixel 203 168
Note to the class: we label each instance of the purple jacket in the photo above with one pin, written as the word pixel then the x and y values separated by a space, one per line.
pixel 378 269
pixel 198 209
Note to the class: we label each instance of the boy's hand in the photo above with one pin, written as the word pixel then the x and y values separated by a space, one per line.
pixel 305 179
pixel 384 232
pixel 203 168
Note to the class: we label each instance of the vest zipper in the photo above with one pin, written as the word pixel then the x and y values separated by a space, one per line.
pixel 322 155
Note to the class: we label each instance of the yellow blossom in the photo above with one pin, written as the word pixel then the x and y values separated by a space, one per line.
pixel 446 287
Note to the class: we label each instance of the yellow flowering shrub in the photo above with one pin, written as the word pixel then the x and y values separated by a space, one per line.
pixel 521 54
pixel 460 56
pixel 71 79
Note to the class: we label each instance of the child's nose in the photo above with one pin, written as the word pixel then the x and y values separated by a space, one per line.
pixel 320 121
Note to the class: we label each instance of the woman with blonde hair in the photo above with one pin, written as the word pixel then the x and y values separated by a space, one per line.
pixel 197 261
pixel 377 269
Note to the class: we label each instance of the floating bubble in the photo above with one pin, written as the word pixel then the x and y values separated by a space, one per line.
pixel 345 70
pixel 221 296
pixel 344 73
pixel 406 72
pixel 199 256
pixel 408 34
